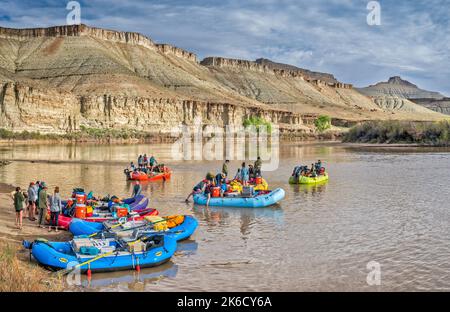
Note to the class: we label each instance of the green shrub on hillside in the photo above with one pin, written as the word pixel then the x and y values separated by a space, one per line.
pixel 258 122
pixel 323 123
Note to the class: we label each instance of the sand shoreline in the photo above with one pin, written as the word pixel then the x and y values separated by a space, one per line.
pixel 18 272
pixel 30 231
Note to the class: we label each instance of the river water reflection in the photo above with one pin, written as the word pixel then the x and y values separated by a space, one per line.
pixel 385 205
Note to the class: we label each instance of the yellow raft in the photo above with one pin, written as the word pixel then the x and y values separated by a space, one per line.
pixel 309 180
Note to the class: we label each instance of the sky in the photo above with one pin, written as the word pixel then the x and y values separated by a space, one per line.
pixel 333 36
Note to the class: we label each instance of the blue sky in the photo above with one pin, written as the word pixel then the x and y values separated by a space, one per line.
pixel 413 40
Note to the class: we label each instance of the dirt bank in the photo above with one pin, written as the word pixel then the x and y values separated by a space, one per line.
pixel 17 273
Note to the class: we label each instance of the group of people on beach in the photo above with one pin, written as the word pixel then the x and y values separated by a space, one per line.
pixel 38 204
pixel 315 170
pixel 245 174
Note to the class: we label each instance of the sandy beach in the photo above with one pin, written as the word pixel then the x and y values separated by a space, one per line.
pixel 17 272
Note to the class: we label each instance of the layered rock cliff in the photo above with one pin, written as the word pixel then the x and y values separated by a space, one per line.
pixel 308 74
pixel 57 79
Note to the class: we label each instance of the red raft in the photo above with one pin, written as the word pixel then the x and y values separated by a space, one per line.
pixel 64 221
pixel 151 177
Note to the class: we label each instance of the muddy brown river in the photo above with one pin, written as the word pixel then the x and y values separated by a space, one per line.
pixel 388 205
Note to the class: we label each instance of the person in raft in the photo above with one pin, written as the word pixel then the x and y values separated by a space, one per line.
pixel 32 199
pixel 140 161
pixel 258 165
pixel 152 163
pixel 221 181
pixel 312 172
pixel 208 191
pixel 318 166
pixel 251 172
pixel 145 161
pixel 43 206
pixel 137 189
pixel 238 175
pixel 199 188
pixel 19 199
pixel 55 209
pixel 245 174
pixel 225 168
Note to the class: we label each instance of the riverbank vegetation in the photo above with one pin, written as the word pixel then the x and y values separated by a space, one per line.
pixel 258 122
pixel 400 132
pixel 323 123
pixel 84 134
pixel 19 274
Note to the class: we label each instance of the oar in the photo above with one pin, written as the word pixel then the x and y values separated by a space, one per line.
pixel 67 271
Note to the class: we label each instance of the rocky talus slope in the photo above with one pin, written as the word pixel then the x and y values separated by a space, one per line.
pixel 56 79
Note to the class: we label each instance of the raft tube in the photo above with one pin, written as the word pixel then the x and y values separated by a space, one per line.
pixel 65 222
pixel 142 176
pixel 259 201
pixel 181 232
pixel 309 180
pixel 60 255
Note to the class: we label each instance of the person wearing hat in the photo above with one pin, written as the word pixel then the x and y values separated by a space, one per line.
pixel 32 198
pixel 42 204
pixel 199 188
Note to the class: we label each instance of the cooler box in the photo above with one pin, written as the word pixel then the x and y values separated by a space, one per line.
pixel 247 191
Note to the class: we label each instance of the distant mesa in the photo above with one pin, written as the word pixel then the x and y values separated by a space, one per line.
pixel 396 87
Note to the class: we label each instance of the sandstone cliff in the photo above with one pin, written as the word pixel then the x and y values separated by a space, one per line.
pixel 56 79
pixel 309 75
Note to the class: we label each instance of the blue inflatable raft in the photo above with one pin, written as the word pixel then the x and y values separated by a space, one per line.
pixel 258 201
pixel 181 232
pixel 114 254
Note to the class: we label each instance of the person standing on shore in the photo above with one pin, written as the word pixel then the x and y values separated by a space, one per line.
pixel 32 198
pixel 55 209
pixel 19 199
pixel 42 205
